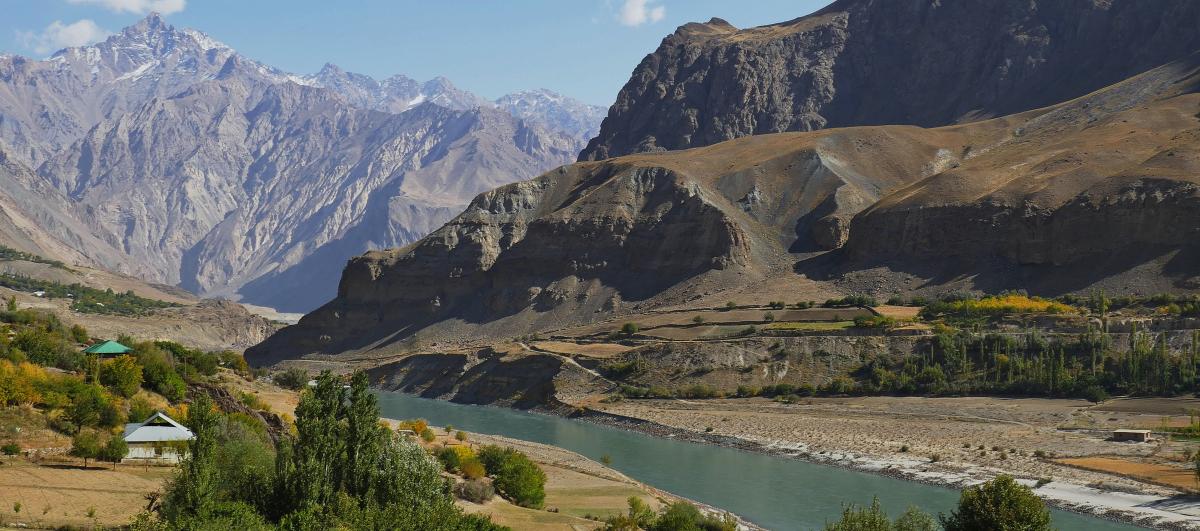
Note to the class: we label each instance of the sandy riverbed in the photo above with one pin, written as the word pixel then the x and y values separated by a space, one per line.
pixel 957 442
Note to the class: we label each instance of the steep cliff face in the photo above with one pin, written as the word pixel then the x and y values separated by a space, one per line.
pixel 863 62
pixel 1095 187
pixel 587 240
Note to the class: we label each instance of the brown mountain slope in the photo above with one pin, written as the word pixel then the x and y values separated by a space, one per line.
pixel 1111 173
pixel 1086 193
pixel 865 62
pixel 584 241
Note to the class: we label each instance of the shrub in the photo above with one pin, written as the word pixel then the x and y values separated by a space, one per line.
pixel 475 491
pixel 516 477
pixel 10 449
pixel 1001 503
pixel 122 374
pixel 114 450
pixel 472 468
pixel 449 458
pixel 91 406
pixel 874 321
pixel 86 445
pixel 682 515
pixel 294 378
pixel 461 436
pixel 629 329
pixel 158 372
pixel 698 319
pixel 1095 394
pixel 235 362
pixel 855 518
pixel 140 409
pixel 427 435
pixel 79 334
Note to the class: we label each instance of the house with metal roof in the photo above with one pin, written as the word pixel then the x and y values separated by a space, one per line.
pixel 159 438
pixel 107 348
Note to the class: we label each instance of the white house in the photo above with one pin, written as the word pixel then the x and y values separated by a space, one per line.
pixel 159 438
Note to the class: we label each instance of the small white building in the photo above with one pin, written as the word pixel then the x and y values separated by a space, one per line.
pixel 159 438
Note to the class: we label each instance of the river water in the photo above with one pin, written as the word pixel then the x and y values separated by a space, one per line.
pixel 775 492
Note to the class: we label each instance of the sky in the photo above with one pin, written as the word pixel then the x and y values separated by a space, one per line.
pixel 585 49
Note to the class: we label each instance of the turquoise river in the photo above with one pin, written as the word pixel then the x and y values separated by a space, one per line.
pixel 778 493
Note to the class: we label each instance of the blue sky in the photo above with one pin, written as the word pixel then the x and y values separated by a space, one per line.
pixel 581 48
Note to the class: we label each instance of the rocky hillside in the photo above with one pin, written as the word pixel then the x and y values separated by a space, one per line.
pixel 1103 190
pixel 586 241
pixel 1100 191
pixel 164 154
pixel 862 62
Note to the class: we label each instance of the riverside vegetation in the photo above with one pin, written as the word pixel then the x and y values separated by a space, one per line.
pixel 969 354
pixel 341 469
pixel 999 504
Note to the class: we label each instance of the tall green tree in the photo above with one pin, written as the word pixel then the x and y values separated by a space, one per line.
pixel 192 491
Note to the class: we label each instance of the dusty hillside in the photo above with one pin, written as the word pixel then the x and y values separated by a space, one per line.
pixel 203 324
pixel 865 62
pixel 1101 190
pixel 597 239
pixel 586 241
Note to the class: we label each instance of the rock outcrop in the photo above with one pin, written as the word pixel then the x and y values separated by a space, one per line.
pixel 1090 189
pixel 583 241
pixel 865 62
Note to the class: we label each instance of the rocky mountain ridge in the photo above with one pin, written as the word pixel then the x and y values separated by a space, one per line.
pixel 867 62
pixel 1098 192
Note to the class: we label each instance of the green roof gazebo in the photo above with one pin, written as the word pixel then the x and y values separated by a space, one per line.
pixel 108 348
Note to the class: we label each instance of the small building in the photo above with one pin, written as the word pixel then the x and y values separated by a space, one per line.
pixel 159 438
pixel 107 349
pixel 1131 435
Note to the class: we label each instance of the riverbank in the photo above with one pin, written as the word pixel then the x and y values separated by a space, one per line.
pixel 951 442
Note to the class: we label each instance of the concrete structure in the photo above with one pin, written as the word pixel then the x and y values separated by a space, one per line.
pixel 1131 435
pixel 159 438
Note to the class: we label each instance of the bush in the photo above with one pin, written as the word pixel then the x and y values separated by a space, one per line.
pixel 79 334
pixel 140 409
pixel 427 435
pixel 475 491
pixel 10 449
pixel 293 378
pixel 122 374
pixel 516 477
pixel 158 372
pixel 472 468
pixel 91 406
pixel 1001 503
pixel 682 515
pixel 629 329
pixel 114 450
pixel 874 321
pixel 86 445
pixel 1095 394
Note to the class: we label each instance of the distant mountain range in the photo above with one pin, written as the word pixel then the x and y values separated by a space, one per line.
pixel 165 154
